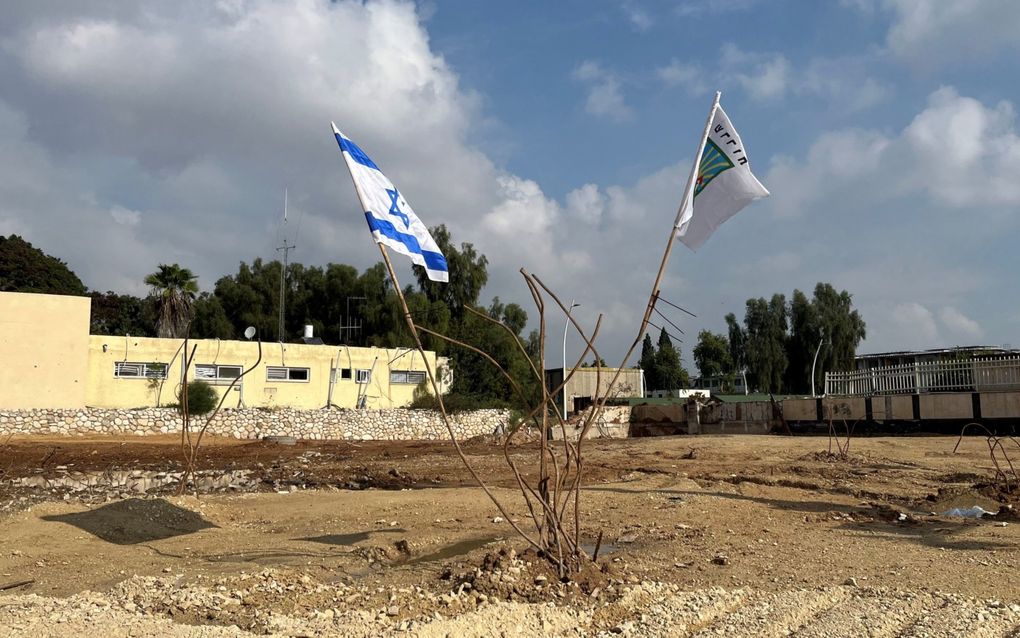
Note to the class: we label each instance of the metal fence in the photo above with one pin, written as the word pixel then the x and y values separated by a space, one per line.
pixel 977 375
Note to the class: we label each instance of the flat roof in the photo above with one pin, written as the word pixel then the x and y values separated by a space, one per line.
pixel 908 353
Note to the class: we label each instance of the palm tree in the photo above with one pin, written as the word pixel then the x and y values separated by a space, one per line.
pixel 175 289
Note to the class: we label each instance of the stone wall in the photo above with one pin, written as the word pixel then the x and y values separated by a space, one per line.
pixel 391 425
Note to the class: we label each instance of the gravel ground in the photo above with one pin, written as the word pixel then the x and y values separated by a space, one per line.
pixel 644 609
pixel 749 536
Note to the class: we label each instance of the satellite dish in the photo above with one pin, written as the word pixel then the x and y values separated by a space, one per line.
pixel 249 332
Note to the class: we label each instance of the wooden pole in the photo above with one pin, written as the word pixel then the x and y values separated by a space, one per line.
pixel 439 397
pixel 688 188
pixel 669 245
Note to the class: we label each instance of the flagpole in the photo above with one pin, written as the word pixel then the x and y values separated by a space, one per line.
pixel 439 396
pixel 428 368
pixel 672 237
pixel 684 202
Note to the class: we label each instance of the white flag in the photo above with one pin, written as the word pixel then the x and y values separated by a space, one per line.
pixel 389 216
pixel 724 183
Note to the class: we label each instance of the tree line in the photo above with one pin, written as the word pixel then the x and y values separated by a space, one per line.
pixel 321 296
pixel 775 346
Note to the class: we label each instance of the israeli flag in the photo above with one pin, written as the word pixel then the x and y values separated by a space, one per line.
pixel 389 216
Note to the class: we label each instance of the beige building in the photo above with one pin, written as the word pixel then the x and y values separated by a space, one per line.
pixel 586 382
pixel 44 350
pixel 51 361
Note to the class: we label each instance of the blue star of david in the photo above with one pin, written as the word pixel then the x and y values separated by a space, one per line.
pixel 395 207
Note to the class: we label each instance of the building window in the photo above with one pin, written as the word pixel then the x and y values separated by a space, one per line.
pixel 287 374
pixel 341 374
pixel 413 377
pixel 364 376
pixel 213 372
pixel 126 370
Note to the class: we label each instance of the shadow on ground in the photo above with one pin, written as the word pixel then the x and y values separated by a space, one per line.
pixel 135 520
pixel 347 540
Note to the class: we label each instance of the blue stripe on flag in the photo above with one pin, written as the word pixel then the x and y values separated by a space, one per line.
pixel 433 260
pixel 355 152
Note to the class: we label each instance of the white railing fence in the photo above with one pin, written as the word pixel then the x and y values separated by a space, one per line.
pixel 976 375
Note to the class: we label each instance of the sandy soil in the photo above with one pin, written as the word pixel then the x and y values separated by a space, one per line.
pixel 740 535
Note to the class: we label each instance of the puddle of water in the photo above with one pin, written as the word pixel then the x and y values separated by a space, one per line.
pixel 349 540
pixel 264 558
pixel 452 551
pixel 604 549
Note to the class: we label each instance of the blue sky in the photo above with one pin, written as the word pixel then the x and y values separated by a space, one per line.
pixel 554 136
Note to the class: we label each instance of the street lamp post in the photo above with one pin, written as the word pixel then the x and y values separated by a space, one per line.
pixel 566 325
pixel 817 350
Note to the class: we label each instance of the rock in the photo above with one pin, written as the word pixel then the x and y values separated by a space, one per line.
pixel 850 582
pixel 720 559
pixel 393 610
pixel 498 519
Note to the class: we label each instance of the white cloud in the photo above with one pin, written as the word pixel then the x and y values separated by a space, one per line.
pixel 965 152
pixel 764 77
pixel 916 325
pixel 959 324
pixel 639 19
pixel 605 95
pixel 586 203
pixel 199 153
pixel 844 83
pixel 848 155
pixel 683 74
pixel 928 32
pixel 125 217
pixel 781 262
pixel 912 325
pixel 189 164
pixel 957 152
pixel 201 114
pixel 702 8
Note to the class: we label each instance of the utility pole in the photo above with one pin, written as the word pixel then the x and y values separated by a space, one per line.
pixel 286 248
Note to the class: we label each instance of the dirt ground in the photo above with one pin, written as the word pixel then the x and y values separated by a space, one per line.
pixel 725 535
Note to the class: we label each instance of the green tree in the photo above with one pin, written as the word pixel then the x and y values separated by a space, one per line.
pixel 712 354
pixel 468 274
pixel 476 378
pixel 25 268
pixel 174 289
pixel 738 341
pixel 839 325
pixel 765 324
pixel 249 298
pixel 647 363
pixel 669 372
pixel 119 315
pixel 211 320
pixel 805 335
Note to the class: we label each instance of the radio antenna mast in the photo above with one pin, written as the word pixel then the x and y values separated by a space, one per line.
pixel 286 248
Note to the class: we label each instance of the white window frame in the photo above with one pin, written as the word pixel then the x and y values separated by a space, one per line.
pixel 287 371
pixel 338 374
pixel 363 376
pixel 406 377
pixel 217 377
pixel 147 370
